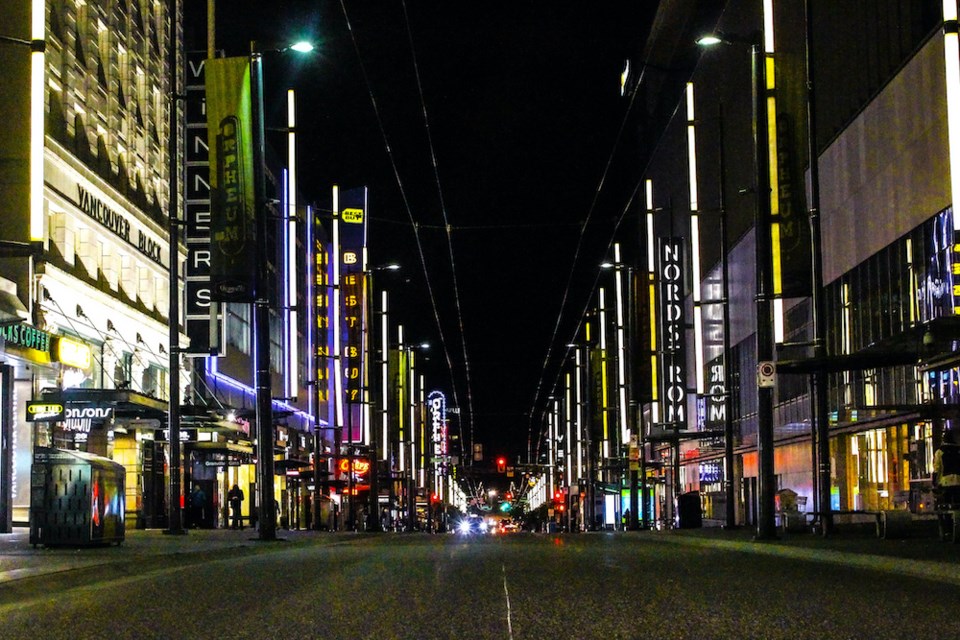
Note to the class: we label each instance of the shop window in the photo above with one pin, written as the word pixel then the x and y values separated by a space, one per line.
pixel 238 326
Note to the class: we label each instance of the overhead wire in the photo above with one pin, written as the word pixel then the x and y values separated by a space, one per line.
pixel 573 268
pixel 406 201
pixel 446 222
pixel 610 242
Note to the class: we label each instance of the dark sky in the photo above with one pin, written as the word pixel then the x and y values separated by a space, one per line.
pixel 524 108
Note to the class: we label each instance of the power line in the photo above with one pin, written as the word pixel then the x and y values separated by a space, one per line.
pixel 446 222
pixel 403 195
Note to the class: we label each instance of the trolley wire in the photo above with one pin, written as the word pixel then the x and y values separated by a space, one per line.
pixel 446 222
pixel 406 201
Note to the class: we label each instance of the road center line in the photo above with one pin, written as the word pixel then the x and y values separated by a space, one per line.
pixel 506 593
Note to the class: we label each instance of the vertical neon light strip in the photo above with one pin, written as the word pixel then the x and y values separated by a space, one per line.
pixel 293 346
pixel 551 450
pixel 385 376
pixel 423 437
pixel 695 239
pixel 579 414
pixel 337 319
pixel 604 405
pixel 621 350
pixel 412 418
pixel 652 294
pixel 37 71
pixel 401 393
pixel 777 267
pixel 951 47
pixel 311 286
pixel 568 419
pixel 365 344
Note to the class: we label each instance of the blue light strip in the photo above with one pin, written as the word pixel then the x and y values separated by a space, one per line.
pixel 214 373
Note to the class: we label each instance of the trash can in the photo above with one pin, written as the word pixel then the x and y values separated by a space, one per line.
pixel 76 498
pixel 689 514
pixel 894 523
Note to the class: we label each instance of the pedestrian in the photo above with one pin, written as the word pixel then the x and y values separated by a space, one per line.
pixel 946 470
pixel 235 498
pixel 198 500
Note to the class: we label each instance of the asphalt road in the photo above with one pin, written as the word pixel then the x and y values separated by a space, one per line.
pixel 513 587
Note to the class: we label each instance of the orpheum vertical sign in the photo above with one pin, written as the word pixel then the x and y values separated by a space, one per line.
pixel 232 219
pixel 353 242
pixel 203 331
pixel 437 406
pixel 673 387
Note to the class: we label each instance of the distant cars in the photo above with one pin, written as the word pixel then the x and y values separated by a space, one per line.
pixel 471 525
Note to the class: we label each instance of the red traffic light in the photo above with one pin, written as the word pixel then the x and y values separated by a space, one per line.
pixel 501 465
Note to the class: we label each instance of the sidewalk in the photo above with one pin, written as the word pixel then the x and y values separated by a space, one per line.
pixel 921 555
pixel 141 551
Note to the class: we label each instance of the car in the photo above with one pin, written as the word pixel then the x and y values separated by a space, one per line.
pixel 471 525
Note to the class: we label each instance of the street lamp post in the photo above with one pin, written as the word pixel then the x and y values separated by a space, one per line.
pixel 766 479
pixel 261 311
pixel 174 512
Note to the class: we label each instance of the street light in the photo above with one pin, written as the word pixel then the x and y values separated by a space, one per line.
pixel 261 304
pixel 766 527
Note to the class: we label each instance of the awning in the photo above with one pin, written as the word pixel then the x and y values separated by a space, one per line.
pixel 229 448
pixel 126 403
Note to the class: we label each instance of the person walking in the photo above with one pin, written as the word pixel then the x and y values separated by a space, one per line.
pixel 235 498
pixel 198 500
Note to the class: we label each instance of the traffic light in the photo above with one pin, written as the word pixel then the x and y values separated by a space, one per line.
pixel 501 465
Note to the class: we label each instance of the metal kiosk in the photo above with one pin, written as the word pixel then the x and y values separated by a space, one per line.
pixel 76 498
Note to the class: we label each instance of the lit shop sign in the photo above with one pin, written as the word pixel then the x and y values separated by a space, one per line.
pixel 352 216
pixel 74 353
pixel 672 318
pixel 82 418
pixel 118 224
pixel 359 466
pixel 44 411
pixel 203 340
pixel 44 347
pixel 437 405
pixel 26 337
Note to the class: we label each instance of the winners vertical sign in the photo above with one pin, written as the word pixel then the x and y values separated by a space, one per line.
pixel 673 379
pixel 353 244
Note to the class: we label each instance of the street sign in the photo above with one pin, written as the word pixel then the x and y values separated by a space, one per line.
pixel 766 374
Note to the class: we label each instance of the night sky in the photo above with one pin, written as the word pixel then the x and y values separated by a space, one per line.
pixel 524 110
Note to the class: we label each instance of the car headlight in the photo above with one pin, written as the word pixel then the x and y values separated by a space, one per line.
pixel 464 526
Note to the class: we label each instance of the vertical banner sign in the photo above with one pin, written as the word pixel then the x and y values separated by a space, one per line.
pixel 437 405
pixel 199 307
pixel 323 334
pixel 673 380
pixel 232 224
pixel 353 242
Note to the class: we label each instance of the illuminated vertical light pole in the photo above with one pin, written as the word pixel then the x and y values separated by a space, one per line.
pixel 773 171
pixel 695 242
pixel 38 66
pixel 623 400
pixel 568 449
pixel 290 245
pixel 604 404
pixel 551 452
pixel 579 427
pixel 652 314
pixel 951 48
pixel 384 377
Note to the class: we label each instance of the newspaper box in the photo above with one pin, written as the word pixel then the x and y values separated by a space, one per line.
pixel 76 498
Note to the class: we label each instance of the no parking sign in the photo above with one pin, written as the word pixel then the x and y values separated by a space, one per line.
pixel 766 374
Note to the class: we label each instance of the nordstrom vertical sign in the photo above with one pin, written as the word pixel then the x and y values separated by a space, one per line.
pixel 673 387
